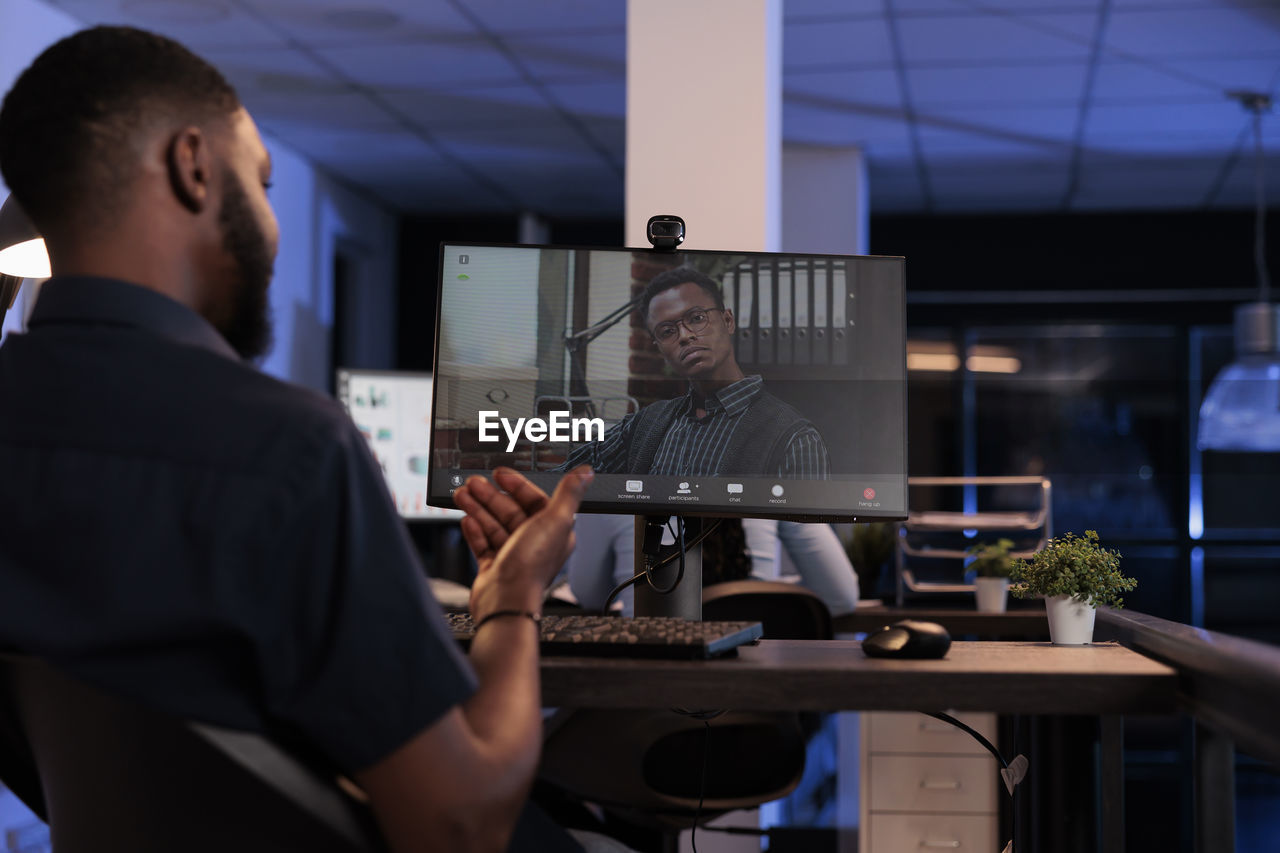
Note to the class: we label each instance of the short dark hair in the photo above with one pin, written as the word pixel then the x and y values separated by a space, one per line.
pixel 67 123
pixel 675 277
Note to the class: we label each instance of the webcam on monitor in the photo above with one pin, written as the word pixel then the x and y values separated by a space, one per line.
pixel 665 231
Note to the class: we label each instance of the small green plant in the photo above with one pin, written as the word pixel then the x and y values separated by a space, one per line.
pixel 991 560
pixel 1080 568
pixel 869 549
pixel 871 545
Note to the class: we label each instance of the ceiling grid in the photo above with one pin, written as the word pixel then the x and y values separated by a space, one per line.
pixel 497 106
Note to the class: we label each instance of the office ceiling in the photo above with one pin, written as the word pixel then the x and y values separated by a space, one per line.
pixel 499 106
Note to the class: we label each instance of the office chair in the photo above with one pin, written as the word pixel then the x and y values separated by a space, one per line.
pixel 646 767
pixel 109 775
pixel 787 611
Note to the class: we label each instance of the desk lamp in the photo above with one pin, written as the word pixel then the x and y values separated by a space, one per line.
pixel 1241 411
pixel 22 253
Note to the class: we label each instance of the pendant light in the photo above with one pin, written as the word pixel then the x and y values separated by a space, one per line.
pixel 1241 411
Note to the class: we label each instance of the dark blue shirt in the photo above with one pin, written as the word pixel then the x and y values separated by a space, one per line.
pixel 184 530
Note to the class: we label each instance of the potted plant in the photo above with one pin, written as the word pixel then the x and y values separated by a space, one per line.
pixel 1074 575
pixel 991 566
pixel 870 548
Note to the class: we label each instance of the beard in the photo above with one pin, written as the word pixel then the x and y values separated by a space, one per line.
pixel 248 328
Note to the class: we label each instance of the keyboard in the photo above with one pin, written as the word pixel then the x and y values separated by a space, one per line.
pixel 638 637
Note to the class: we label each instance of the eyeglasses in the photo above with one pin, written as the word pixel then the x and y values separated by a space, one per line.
pixel 695 320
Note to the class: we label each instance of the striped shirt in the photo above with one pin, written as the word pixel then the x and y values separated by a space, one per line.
pixel 695 447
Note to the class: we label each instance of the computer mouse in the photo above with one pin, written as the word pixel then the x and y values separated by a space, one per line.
pixel 908 638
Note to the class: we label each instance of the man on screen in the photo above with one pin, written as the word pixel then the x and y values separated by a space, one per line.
pixel 726 424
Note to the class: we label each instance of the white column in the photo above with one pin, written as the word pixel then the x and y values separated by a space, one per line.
pixel 704 120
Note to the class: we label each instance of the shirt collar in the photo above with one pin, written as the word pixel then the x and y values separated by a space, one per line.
pixel 89 300
pixel 734 399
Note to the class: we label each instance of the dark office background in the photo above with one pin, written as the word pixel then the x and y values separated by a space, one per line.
pixel 1121 322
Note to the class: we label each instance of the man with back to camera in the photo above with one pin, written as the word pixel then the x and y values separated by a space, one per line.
pixel 726 424
pixel 214 543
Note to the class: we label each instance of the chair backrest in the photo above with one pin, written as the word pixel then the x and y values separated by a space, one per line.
pixel 115 776
pixel 648 765
pixel 787 611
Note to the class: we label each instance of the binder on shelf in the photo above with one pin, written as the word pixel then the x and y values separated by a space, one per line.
pixel 738 289
pixel 802 288
pixel 766 305
pixel 785 335
pixel 821 343
pixel 840 314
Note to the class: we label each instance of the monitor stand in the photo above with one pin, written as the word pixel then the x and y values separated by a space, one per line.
pixel 685 601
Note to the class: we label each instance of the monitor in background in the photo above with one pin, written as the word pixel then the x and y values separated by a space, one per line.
pixel 392 410
pixel 543 359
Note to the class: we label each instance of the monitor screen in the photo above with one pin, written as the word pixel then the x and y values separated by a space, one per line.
pixel 695 382
pixel 392 410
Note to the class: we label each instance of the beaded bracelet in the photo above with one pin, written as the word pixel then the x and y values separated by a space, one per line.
pixel 529 614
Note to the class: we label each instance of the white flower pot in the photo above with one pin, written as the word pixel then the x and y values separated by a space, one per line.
pixel 1070 621
pixel 991 594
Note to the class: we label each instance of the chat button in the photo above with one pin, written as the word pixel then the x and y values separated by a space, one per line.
pixel 734 488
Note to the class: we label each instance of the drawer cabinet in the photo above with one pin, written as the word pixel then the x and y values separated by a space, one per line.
pixel 915 833
pixel 926 785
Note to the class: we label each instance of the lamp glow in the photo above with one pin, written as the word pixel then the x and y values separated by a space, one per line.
pixel 22 249
pixel 28 259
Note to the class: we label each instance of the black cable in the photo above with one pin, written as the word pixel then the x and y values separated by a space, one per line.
pixel 702 784
pixel 1260 202
pixel 1013 808
pixel 608 602
pixel 649 567
pixel 947 718
pixel 644 574
pixel 697 540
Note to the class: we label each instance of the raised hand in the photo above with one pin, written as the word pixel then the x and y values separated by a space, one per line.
pixel 520 538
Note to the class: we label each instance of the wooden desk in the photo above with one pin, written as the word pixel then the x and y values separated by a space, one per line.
pixel 1104 680
pixel 1022 623
pixel 834 675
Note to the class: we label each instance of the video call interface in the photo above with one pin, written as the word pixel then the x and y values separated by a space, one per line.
pixel 546 358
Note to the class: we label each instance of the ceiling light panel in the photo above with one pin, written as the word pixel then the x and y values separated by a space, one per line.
pixel 599 100
pixel 506 18
pixel 878 86
pixel 336 23
pixel 397 66
pixel 827 43
pixel 1186 80
pixel 1226 29
pixel 199 24
pixel 995 39
pixel 553 140
pixel 590 54
pixel 879 136
pixel 494 105
pixel 1022 84
pixel 1222 117
pixel 976 128
pixel 797 11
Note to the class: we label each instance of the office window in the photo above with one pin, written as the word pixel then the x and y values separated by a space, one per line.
pixel 1097 408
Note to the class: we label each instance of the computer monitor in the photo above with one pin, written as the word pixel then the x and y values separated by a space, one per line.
pixel 392 410
pixel 546 356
